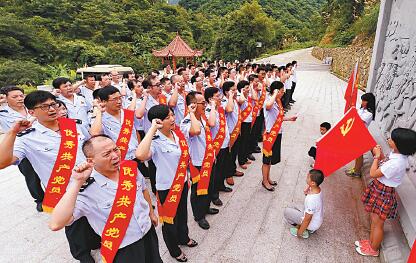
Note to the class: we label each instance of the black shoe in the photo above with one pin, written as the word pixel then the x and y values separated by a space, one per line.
pixel 203 223
pixel 292 101
pixel 86 259
pixel 217 202
pixel 271 189
pixel 213 211
pixel 226 189
pixel 182 258
pixel 251 157
pixel 257 150
pixel 39 207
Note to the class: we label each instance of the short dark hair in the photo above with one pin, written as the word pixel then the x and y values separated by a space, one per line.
pixel 146 83
pixel 158 112
pixel 87 145
pixel 405 140
pixel 294 62
pixel 209 93
pixel 208 72
pixel 37 97
pixel 251 77
pixel 317 176
pixel 56 83
pixel 325 125
pixel 261 68
pixel 226 86
pixel 61 103
pixel 5 90
pixel 164 80
pixel 276 85
pixel 131 83
pixel 180 71
pixel 89 75
pixel 242 84
pixel 105 92
pixel 95 93
pixel 191 97
pixel 371 103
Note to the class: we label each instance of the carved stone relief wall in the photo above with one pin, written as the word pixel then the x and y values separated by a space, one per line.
pixel 395 83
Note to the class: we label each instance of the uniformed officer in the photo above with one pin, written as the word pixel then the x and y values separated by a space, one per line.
pixel 140 242
pixel 163 146
pixel 40 145
pixel 212 97
pixel 87 88
pixel 75 103
pixel 110 119
pixel 193 127
pixel 230 104
pixel 177 100
pixel 256 127
pixel 9 114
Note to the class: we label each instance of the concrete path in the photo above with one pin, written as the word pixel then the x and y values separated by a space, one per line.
pixel 250 225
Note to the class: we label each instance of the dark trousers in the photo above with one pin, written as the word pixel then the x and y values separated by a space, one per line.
pixel 244 143
pixel 177 233
pixel 312 152
pixel 32 180
pixel 232 166
pixel 256 132
pixel 145 250
pixel 199 203
pixel 286 98
pixel 82 239
pixel 152 175
pixel 293 91
pixel 221 169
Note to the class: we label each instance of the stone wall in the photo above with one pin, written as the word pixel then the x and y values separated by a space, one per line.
pixel 344 59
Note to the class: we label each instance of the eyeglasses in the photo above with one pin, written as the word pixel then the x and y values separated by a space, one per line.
pixel 120 98
pixel 202 103
pixel 46 107
pixel 157 85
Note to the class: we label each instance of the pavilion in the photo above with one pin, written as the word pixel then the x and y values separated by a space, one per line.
pixel 177 49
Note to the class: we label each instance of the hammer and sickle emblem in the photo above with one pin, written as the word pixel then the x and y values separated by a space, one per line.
pixel 345 128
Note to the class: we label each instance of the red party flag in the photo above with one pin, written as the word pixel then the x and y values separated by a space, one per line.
pixel 352 89
pixel 412 257
pixel 346 141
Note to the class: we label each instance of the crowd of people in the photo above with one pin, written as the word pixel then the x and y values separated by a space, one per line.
pixel 189 130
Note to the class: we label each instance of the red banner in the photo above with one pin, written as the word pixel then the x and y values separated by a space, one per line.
pixel 125 133
pixel 412 256
pixel 352 89
pixel 220 137
pixel 247 111
pixel 206 168
pixel 121 211
pixel 344 142
pixel 167 211
pixel 65 162
pixel 270 138
pixel 236 132
pixel 258 105
pixel 163 100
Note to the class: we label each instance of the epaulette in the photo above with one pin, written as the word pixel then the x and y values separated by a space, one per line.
pixel 90 111
pixel 4 111
pixel 27 131
pixel 87 183
pixel 208 110
pixel 78 121
pixel 186 121
pixel 156 137
pixel 223 100
pixel 79 94
pixel 130 99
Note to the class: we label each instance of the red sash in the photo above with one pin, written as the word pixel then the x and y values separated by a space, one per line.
pixel 121 211
pixel 246 112
pixel 236 131
pixel 65 162
pixel 125 133
pixel 258 105
pixel 270 138
pixel 163 99
pixel 206 168
pixel 220 137
pixel 167 211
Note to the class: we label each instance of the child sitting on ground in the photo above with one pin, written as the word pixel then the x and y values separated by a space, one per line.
pixel 309 219
pixel 323 128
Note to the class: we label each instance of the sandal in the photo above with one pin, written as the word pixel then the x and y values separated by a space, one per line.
pixel 274 183
pixel 182 258
pixel 192 243
pixel 271 189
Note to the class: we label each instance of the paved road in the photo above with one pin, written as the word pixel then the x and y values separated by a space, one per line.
pixel 250 226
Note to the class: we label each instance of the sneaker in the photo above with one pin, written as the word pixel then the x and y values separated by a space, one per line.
pixel 294 232
pixel 367 251
pixel 352 173
pixel 362 243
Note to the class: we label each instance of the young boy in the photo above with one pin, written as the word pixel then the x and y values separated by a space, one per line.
pixel 310 219
pixel 324 128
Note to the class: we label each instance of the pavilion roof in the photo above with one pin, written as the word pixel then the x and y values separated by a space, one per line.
pixel 177 48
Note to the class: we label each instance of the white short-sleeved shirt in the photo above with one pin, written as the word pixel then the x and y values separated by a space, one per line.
pixel 196 144
pixel 78 109
pixel 139 123
pixel 216 128
pixel 189 87
pixel 165 154
pixel 96 201
pixel 315 207
pixel 87 93
pixel 8 117
pixel 231 117
pixel 271 115
pixel 149 104
pixel 41 147
pixel 394 169
pixel 365 115
pixel 112 127
pixel 179 109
